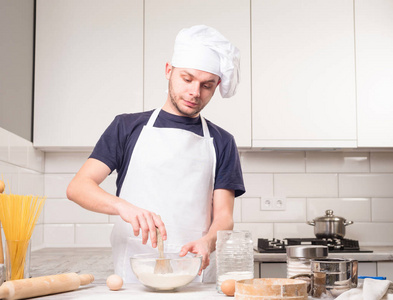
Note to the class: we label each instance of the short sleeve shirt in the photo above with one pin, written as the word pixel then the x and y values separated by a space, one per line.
pixel 116 145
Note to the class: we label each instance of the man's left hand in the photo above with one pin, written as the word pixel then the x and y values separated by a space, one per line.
pixel 200 247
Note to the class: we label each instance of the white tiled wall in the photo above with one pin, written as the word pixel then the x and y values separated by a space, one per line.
pixel 355 185
pixel 66 223
pixel 22 168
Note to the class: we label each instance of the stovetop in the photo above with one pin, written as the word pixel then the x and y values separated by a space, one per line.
pixel 334 245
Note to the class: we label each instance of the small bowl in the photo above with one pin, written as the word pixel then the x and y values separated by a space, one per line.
pixel 185 269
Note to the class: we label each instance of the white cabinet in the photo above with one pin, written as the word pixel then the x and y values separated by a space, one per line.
pixel 88 68
pixel 367 269
pixel 374 71
pixel 303 73
pixel 385 269
pixel 272 270
pixel 164 19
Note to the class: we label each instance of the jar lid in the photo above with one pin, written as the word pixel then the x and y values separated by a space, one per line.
pixel 307 251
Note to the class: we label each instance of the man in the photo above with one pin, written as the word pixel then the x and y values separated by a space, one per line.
pixel 176 171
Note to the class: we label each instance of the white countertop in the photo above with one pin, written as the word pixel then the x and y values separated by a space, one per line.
pixel 95 291
pixel 380 253
pixel 98 261
pixel 193 291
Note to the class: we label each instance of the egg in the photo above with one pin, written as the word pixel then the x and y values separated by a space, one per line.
pixel 114 282
pixel 2 186
pixel 228 287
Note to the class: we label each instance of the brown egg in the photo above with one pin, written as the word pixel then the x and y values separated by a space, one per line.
pixel 228 287
pixel 114 282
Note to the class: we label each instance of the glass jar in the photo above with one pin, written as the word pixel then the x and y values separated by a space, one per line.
pixel 299 258
pixel 234 256
pixel 17 259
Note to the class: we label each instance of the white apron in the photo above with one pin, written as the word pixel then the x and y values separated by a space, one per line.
pixel 171 173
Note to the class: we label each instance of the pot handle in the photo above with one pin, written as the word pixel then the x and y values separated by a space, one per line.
pixel 346 223
pixel 312 223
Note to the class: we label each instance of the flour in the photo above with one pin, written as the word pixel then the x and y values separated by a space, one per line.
pixel 167 281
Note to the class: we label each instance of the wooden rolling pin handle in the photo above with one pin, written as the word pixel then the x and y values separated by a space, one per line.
pixel 86 278
pixel 45 285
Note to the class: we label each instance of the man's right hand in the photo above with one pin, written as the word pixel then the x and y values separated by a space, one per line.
pixel 84 190
pixel 142 220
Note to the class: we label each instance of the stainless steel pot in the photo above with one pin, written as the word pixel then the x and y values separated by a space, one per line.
pixel 329 226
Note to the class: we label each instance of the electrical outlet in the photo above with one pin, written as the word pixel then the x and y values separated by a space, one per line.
pixel 273 203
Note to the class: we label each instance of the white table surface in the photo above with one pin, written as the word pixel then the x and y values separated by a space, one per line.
pixel 98 261
pixel 197 291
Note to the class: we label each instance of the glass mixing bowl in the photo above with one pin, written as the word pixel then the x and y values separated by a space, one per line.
pixel 184 270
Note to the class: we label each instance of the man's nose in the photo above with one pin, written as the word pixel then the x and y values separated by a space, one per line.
pixel 195 90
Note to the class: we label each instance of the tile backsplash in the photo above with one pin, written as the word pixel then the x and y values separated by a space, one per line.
pixel 355 185
pixel 22 169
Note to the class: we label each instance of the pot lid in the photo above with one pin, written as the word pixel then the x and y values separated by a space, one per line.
pixel 329 217
pixel 307 251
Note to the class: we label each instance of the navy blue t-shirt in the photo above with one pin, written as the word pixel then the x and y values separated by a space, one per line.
pixel 117 143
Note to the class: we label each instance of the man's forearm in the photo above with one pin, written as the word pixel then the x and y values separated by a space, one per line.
pixel 88 194
pixel 224 222
pixel 223 201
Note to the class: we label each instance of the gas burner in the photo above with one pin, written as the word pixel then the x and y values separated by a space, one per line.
pixel 277 243
pixel 334 245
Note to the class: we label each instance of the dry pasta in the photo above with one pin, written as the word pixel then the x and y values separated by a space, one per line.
pixel 18 215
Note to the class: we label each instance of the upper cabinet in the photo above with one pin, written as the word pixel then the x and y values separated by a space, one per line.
pixel 303 74
pixel 314 73
pixel 374 70
pixel 88 69
pixel 164 19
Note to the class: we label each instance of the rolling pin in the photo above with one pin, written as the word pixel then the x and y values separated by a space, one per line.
pixel 45 285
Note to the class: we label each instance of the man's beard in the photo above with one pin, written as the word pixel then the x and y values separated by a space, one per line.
pixel 180 110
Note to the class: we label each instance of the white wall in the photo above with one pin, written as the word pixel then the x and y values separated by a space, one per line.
pixel 356 185
pixel 22 168
pixel 16 61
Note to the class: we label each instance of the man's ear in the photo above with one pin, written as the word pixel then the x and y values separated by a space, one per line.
pixel 168 70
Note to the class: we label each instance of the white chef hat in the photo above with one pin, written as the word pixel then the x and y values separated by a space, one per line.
pixel 204 48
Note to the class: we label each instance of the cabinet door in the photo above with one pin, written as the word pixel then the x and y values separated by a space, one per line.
pixel 374 71
pixel 303 73
pixel 88 69
pixel 273 270
pixel 385 269
pixel 367 269
pixel 164 19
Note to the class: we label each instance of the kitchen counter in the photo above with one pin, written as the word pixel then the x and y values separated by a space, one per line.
pixel 51 261
pixel 98 261
pixel 95 291
pixel 379 254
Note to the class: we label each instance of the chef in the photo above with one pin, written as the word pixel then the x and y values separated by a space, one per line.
pixel 177 171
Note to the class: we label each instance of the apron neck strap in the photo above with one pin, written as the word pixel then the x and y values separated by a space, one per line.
pixel 154 116
pixel 206 132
